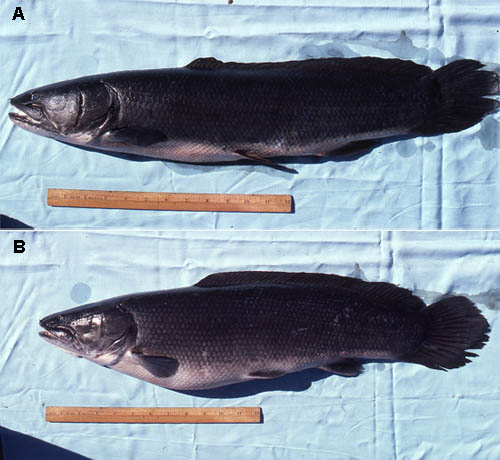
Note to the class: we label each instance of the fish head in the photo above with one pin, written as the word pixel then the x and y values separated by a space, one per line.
pixel 75 111
pixel 91 331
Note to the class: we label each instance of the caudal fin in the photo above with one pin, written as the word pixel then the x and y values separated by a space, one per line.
pixel 459 89
pixel 455 325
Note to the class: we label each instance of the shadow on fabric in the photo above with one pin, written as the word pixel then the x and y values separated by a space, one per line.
pixel 9 223
pixel 17 446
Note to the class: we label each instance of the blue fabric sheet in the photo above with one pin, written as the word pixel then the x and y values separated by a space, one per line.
pixel 450 181
pixel 396 411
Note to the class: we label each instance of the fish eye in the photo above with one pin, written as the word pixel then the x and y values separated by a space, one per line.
pixel 35 97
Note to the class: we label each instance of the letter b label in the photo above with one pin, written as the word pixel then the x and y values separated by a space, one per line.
pixel 19 246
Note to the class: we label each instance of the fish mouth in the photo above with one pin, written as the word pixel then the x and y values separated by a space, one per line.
pixel 63 335
pixel 30 117
pixel 59 339
pixel 46 335
pixel 23 120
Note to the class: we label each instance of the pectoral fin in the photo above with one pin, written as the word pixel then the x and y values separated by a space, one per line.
pixel 159 366
pixel 263 161
pixel 346 368
pixel 140 137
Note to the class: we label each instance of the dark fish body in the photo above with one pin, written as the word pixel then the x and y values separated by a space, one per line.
pixel 210 111
pixel 233 327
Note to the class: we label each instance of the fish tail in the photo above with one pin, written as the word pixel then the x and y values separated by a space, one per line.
pixel 459 103
pixel 454 325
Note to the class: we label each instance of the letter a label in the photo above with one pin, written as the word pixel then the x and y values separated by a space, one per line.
pixel 18 13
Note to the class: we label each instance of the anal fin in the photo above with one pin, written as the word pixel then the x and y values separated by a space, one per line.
pixel 263 161
pixel 355 147
pixel 345 368
pixel 266 374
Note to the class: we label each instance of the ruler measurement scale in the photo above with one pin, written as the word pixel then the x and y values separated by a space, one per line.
pixel 169 201
pixel 77 414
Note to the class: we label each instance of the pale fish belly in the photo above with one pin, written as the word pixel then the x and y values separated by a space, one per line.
pixel 204 152
pixel 200 376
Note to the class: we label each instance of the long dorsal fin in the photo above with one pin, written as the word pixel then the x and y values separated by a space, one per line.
pixel 378 291
pixel 361 64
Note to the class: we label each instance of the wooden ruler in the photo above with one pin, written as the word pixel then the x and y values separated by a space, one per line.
pixel 168 201
pixel 75 414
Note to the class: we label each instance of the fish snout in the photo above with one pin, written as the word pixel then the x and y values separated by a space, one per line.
pixel 52 324
pixel 49 321
pixel 27 103
pixel 20 100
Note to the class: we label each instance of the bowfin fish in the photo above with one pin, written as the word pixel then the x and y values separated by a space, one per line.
pixel 213 111
pixel 238 326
